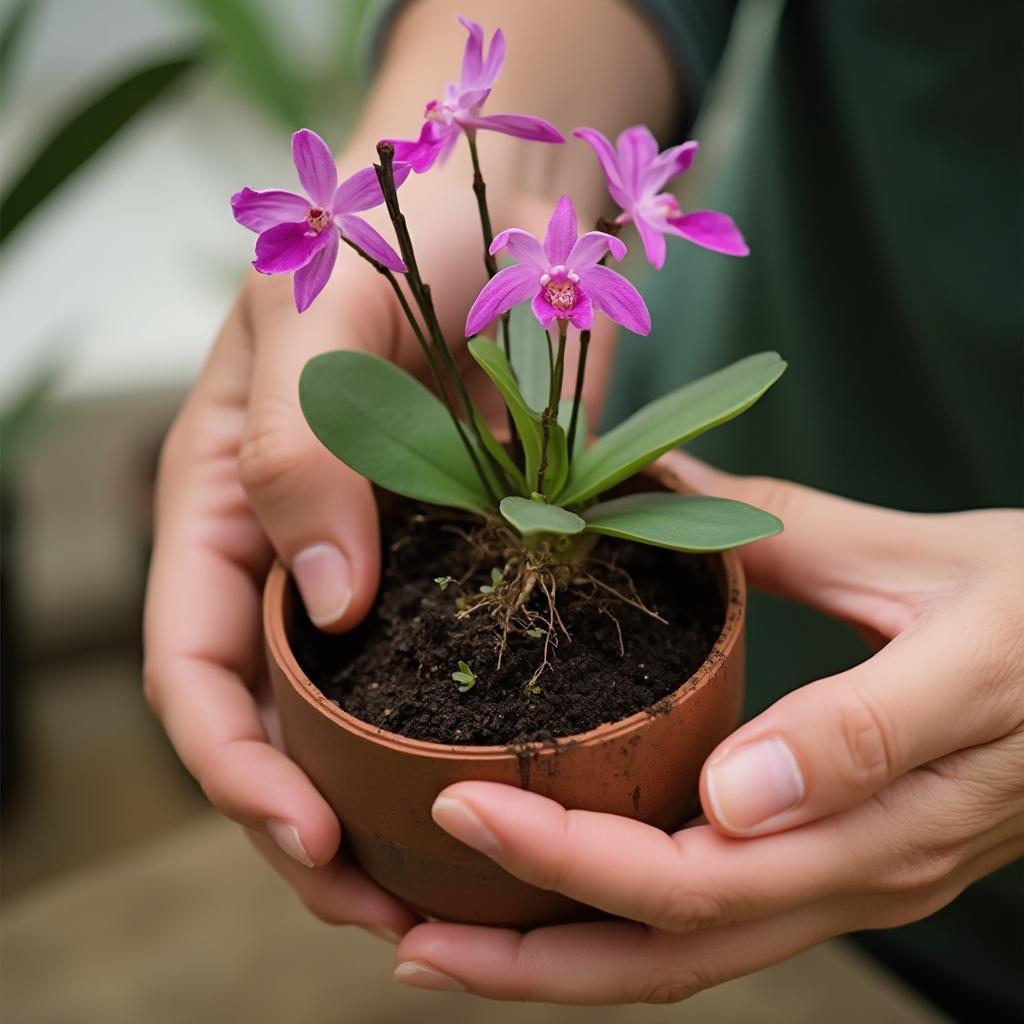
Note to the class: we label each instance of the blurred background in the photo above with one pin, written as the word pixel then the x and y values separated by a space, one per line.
pixel 126 126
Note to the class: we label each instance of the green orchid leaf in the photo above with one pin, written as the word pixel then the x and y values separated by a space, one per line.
pixel 557 471
pixel 530 356
pixel 530 517
pixel 387 426
pixel 670 421
pixel 683 522
pixel 500 455
pixel 527 420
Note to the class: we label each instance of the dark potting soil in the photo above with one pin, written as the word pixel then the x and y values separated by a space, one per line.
pixel 395 671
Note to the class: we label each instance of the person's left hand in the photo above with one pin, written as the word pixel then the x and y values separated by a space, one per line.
pixel 866 800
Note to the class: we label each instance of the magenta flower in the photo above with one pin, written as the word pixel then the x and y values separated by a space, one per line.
pixel 636 173
pixel 301 233
pixel 461 106
pixel 563 277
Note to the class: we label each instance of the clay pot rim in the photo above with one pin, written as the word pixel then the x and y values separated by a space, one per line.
pixel 274 596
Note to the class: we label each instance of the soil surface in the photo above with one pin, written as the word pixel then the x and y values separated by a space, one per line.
pixel 395 671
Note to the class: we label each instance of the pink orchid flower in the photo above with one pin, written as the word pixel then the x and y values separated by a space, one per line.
pixel 563 277
pixel 636 173
pixel 459 111
pixel 301 233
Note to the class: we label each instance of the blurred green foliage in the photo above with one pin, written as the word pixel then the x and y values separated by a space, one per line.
pixel 239 36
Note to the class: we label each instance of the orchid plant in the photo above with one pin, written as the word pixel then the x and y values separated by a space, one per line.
pixel 542 492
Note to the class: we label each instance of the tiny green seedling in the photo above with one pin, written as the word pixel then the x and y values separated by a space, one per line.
pixel 497 577
pixel 535 633
pixel 464 677
pixel 444 582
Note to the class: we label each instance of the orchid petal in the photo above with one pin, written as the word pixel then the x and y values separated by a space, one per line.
pixel 506 289
pixel 653 241
pixel 668 165
pixel 309 280
pixel 421 154
pixel 636 148
pixel 287 247
pixel 495 59
pixel 472 55
pixel 355 229
pixel 316 167
pixel 609 163
pixel 521 126
pixel 362 190
pixel 258 211
pixel 543 310
pixel 614 296
pixel 582 315
pixel 561 233
pixel 711 230
pixel 523 246
pixel 591 247
pixel 473 99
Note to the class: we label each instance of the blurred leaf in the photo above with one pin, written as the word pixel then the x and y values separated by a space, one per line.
pixel 530 517
pixel 29 414
pixel 530 357
pixel 387 426
pixel 11 32
pixel 682 522
pixel 249 42
pixel 83 134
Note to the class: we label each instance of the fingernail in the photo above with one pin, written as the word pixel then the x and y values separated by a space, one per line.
pixel 383 933
pixel 461 821
pixel 287 837
pixel 754 783
pixel 420 975
pixel 324 578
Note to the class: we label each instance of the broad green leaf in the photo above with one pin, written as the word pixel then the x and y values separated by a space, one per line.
pixel 388 427
pixel 250 42
pixel 565 418
pixel 493 362
pixel 11 34
pixel 497 450
pixel 683 522
pixel 83 133
pixel 530 356
pixel 670 421
pixel 557 471
pixel 530 517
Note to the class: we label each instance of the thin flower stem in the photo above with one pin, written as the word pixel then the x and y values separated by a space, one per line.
pixel 549 414
pixel 581 369
pixel 480 191
pixel 421 293
pixel 609 227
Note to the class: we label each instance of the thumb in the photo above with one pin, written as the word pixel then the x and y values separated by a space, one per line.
pixel 320 516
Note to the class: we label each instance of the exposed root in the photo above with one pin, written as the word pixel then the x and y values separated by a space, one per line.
pixel 525 598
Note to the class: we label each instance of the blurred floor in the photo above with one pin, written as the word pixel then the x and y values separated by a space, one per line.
pixel 127 901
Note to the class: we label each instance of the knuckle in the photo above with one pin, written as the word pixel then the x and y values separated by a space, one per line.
pixel 271 452
pixel 319 904
pixel 864 754
pixel 683 910
pixel 674 983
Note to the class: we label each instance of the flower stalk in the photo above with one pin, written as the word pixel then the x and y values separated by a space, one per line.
pixel 551 410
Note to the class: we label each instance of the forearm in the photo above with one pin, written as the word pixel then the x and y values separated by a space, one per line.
pixel 583 62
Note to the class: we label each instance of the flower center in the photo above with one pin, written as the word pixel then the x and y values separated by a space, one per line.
pixel 560 295
pixel 317 219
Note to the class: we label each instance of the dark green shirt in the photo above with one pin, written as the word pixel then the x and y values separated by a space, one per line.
pixel 878 182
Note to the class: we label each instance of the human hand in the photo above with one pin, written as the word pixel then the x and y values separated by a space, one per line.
pixel 866 800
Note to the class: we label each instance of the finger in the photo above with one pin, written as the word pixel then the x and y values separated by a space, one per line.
pixel 320 516
pixel 599 964
pixel 836 742
pixel 871 566
pixel 694 879
pixel 339 893
pixel 203 647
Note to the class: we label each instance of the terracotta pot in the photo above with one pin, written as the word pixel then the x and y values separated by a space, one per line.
pixel 382 785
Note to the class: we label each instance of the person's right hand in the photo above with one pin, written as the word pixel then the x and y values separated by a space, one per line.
pixel 243 477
